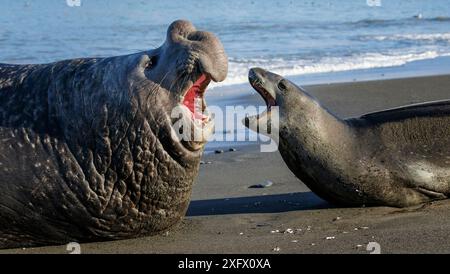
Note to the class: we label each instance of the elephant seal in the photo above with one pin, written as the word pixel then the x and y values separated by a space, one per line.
pixel 88 148
pixel 397 157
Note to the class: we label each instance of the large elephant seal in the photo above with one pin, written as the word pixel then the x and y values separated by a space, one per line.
pixel 397 157
pixel 88 150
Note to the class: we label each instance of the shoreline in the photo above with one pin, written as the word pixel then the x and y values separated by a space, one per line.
pixel 421 68
pixel 226 215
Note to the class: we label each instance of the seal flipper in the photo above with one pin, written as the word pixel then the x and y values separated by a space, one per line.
pixel 437 108
pixel 432 194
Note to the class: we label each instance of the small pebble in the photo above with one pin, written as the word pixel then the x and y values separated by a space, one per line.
pixel 289 231
pixel 364 227
pixel 344 232
pixel 232 149
pixel 219 151
pixel 275 231
pixel 330 238
pixel 242 233
pixel 294 241
pixel 337 219
pixel 209 162
pixel 313 244
pixel 277 249
pixel 264 184
pixel 358 246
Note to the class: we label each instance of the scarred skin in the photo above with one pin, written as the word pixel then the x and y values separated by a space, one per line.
pixel 86 150
pixel 398 157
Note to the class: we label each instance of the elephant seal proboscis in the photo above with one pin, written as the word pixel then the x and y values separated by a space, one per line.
pixel 397 157
pixel 88 150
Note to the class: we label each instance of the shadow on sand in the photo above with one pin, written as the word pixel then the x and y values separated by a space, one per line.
pixel 257 204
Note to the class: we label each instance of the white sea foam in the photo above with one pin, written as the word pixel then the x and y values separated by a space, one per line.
pixel 431 37
pixel 238 68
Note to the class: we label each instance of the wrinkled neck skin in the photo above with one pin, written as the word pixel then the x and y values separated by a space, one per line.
pixel 317 146
pixel 129 112
pixel 106 129
pixel 125 103
pixel 123 143
pixel 89 148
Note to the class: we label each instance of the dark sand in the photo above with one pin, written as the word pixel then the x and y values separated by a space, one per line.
pixel 226 216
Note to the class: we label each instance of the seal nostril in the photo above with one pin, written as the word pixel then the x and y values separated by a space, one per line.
pixel 180 29
pixel 200 46
pixel 197 36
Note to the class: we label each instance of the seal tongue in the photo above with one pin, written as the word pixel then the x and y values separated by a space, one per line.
pixel 193 99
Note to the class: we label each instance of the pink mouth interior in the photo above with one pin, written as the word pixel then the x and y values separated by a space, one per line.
pixel 194 96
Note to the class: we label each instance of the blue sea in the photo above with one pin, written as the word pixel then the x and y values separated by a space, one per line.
pixel 286 36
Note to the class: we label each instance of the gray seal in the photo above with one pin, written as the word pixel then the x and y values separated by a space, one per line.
pixel 87 146
pixel 397 157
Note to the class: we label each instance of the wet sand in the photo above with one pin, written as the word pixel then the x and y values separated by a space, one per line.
pixel 227 216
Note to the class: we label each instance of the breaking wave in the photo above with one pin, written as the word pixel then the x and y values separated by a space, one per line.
pixel 238 68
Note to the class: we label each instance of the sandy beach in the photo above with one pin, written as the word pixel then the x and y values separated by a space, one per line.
pixel 226 215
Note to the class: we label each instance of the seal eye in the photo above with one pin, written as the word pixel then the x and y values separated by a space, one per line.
pixel 282 86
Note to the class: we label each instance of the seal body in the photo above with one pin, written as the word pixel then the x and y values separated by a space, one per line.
pixel 397 157
pixel 87 146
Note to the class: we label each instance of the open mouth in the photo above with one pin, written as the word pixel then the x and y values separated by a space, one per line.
pixel 261 123
pixel 194 99
pixel 258 86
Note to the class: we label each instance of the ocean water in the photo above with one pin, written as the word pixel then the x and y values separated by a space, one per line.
pixel 286 36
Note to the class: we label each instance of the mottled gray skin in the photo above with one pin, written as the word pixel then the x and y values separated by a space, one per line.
pixel 397 157
pixel 86 151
